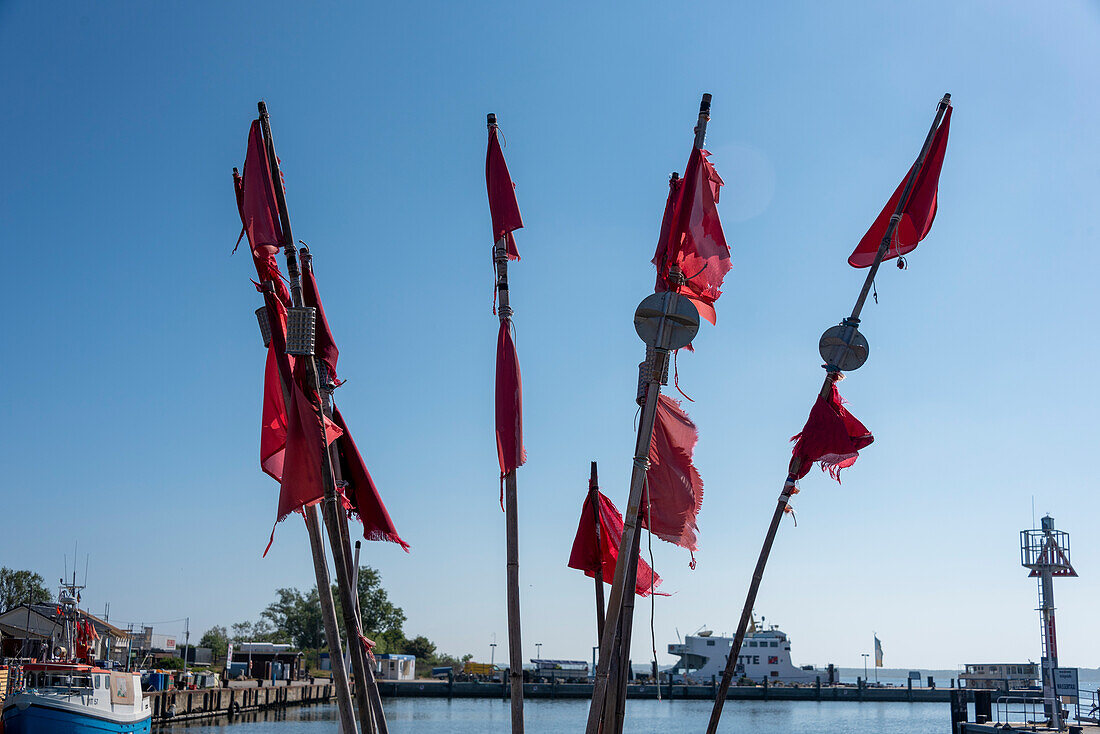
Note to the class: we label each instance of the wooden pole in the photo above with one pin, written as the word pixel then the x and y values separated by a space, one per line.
pixel 616 636
pixel 831 377
pixel 340 561
pixel 515 645
pixel 341 521
pixel 594 501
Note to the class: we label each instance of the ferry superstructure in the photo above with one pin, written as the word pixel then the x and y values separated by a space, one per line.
pixel 764 655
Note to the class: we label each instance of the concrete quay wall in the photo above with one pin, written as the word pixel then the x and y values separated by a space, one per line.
pixel 467 689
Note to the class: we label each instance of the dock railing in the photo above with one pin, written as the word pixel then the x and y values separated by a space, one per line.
pixel 1024 710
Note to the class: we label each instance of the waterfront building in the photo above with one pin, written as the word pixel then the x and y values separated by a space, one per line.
pixel 30 631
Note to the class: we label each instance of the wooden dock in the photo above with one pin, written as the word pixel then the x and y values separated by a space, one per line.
pixel 208 702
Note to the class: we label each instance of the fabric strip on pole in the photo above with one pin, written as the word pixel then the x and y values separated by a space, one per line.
pixel 260 212
pixel 675 487
pixel 300 468
pixel 831 436
pixel 502 195
pixel 325 344
pixel 919 211
pixel 362 495
pixel 692 237
pixel 509 403
pixel 586 557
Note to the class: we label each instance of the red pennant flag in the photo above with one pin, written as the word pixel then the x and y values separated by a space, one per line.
pixel 692 236
pixel 362 496
pixel 831 435
pixel 509 404
pixel 917 214
pixel 502 195
pixel 675 487
pixel 298 461
pixel 586 557
pixel 259 211
pixel 325 345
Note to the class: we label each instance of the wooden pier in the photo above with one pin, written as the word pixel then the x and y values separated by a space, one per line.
pixel 202 703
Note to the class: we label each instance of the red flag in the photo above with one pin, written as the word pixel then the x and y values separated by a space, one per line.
pixel 675 487
pixel 259 211
pixel 586 557
pixel 299 460
pixel 325 345
pixel 692 237
pixel 502 195
pixel 917 214
pixel 509 404
pixel 831 435
pixel 362 496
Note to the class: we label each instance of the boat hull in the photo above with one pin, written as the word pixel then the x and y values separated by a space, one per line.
pixel 37 718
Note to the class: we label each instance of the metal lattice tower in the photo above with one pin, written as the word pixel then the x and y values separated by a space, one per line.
pixel 1046 552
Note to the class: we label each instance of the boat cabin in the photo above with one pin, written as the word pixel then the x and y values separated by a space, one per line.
pixel 1000 676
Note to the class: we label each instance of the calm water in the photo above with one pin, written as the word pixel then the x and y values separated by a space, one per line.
pixel 490 716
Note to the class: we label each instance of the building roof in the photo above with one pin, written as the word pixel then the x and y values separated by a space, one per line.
pixel 39 620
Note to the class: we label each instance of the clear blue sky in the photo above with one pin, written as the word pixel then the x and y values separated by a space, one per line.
pixel 131 399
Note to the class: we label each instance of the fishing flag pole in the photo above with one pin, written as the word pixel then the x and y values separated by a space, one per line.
pixel 594 500
pixel 340 518
pixel 509 423
pixel 275 296
pixel 666 321
pixel 843 348
pixel 340 559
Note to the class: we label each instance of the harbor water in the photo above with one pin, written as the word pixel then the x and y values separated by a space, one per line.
pixel 491 716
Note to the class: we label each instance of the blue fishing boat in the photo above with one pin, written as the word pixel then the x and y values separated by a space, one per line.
pixel 70 695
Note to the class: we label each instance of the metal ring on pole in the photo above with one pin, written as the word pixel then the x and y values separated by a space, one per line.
pixel 843 347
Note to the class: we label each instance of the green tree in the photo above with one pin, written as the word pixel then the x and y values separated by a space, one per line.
pixel 217 639
pixel 297 618
pixel 22 587
pixel 260 631
pixel 420 646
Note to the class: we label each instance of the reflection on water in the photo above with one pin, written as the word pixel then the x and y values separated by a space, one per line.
pixel 491 716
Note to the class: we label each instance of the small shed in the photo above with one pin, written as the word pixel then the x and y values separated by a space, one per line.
pixel 396 667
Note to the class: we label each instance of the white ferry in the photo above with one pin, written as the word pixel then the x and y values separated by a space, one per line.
pixel 765 655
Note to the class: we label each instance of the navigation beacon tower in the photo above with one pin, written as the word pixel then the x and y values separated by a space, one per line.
pixel 1046 552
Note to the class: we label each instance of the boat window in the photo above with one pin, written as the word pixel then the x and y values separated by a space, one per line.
pixel 95 680
pixel 752 644
pixel 710 643
pixel 775 644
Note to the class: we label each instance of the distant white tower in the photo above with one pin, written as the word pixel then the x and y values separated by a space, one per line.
pixel 1046 552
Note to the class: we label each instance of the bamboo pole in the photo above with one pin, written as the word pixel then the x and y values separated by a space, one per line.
pixel 620 605
pixel 831 377
pixel 594 501
pixel 324 591
pixel 331 521
pixel 341 521
pixel 515 645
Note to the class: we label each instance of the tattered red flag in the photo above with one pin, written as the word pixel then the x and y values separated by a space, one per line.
pixel 362 496
pixel 675 487
pixel 692 237
pixel 259 211
pixel 832 436
pixel 918 213
pixel 299 460
pixel 502 195
pixel 325 345
pixel 509 404
pixel 586 557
